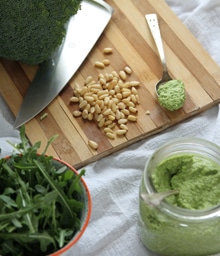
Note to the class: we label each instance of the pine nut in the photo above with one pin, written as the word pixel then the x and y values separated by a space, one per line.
pixel 134 91
pixel 106 100
pixel 123 127
pixel 121 132
pixel 97 108
pixel 89 98
pixel 90 116
pixel 108 77
pixel 93 144
pixel 108 122
pixel 125 111
pixel 122 75
pixel 77 113
pixel 126 100
pixel 118 114
pixel 119 96
pixel 115 74
pixel 110 135
pixel 137 99
pixel 122 115
pixel 133 98
pixel 128 70
pixel 107 112
pixel 88 80
pixel 117 89
pixel 106 62
pixel 74 99
pixel 101 97
pixel 99 117
pixel 76 86
pixel 113 107
pixel 134 83
pixel 92 110
pixel 99 64
pixel 112 125
pixel 126 94
pixel 107 50
pixel 132 109
pixel 123 121
pixel 85 114
pixel 96 86
pixel 101 92
pixel 102 81
pixel 83 104
pixel 131 104
pixel 111 117
pixel 121 105
pixel 107 129
pixel 132 118
pixel 101 122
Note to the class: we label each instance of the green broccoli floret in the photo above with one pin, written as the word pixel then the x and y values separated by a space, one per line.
pixel 30 30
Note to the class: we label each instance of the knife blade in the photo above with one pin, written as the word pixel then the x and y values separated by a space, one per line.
pixel 83 30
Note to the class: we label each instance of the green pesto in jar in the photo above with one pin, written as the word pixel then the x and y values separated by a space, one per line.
pixel 196 178
pixel 171 95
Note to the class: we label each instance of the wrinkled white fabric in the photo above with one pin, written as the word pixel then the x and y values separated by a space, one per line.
pixel 114 180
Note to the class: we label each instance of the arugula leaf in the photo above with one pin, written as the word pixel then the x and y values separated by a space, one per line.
pixel 41 201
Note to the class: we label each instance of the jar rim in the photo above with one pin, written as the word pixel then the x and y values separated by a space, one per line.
pixel 195 144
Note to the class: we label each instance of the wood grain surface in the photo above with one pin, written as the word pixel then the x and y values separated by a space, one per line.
pixel 133 46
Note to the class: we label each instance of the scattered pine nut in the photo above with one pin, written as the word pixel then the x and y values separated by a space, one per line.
pixel 128 70
pixel 147 112
pixel 107 50
pixel 99 64
pixel 93 144
pixel 106 62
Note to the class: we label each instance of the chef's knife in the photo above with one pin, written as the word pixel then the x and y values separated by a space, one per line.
pixel 83 31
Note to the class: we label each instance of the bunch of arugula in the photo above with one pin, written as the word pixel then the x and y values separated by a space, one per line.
pixel 40 202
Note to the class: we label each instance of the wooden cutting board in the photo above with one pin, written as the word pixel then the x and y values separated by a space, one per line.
pixel 133 46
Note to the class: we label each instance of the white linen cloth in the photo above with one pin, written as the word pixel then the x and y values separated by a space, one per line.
pixel 114 180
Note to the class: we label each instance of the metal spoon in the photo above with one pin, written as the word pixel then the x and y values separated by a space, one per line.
pixel 155 199
pixel 155 31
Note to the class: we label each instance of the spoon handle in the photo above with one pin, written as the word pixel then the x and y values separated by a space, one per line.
pixel 155 199
pixel 155 31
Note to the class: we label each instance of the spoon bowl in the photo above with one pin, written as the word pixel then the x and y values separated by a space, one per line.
pixel 165 78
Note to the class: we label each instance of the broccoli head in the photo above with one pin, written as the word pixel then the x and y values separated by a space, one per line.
pixel 30 30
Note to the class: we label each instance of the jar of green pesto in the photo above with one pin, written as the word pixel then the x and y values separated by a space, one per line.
pixel 187 223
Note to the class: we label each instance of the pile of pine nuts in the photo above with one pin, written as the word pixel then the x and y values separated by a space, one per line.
pixel 110 101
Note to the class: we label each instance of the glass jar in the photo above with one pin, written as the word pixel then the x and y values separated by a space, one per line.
pixel 170 230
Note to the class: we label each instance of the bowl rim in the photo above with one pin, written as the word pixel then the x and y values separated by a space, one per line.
pixel 85 223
